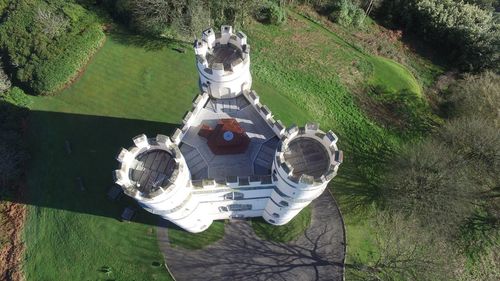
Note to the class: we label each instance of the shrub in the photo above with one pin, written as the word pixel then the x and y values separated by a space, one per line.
pixel 46 44
pixel 347 14
pixel 271 12
pixel 475 96
pixel 17 97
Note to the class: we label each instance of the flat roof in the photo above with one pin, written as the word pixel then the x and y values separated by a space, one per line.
pixel 307 156
pixel 256 160
pixel 151 170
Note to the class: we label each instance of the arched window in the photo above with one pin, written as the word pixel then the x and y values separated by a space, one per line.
pixel 276 215
pixel 272 221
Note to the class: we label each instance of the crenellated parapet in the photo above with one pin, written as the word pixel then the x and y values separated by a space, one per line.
pixel 190 116
pixel 266 114
pixel 234 44
pixel 296 142
pixel 223 61
pixel 154 172
pixel 136 162
pixel 306 160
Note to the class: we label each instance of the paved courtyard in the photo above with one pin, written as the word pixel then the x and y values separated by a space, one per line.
pixel 241 255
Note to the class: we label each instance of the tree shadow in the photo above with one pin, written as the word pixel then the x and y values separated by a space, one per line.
pixel 72 157
pixel 435 54
pixel 241 255
pixel 356 190
pixel 150 43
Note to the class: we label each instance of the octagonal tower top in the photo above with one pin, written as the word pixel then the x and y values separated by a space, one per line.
pixel 223 61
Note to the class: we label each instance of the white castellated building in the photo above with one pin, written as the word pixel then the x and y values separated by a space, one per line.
pixel 231 158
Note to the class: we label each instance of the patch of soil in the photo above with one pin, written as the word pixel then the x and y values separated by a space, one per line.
pixel 383 114
pixel 11 252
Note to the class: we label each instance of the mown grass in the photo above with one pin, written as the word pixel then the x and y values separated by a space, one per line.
pixel 283 233
pixel 393 76
pixel 301 70
pixel 194 241
pixel 72 234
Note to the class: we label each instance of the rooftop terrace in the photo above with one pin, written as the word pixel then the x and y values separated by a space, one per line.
pixel 256 160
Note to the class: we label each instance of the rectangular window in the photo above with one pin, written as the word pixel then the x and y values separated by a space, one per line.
pixel 240 207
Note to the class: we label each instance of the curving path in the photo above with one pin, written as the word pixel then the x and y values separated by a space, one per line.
pixel 241 255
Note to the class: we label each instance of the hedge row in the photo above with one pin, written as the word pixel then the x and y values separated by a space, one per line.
pixel 46 43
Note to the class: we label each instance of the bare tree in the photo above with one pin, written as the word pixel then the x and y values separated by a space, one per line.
pixel 151 16
pixel 430 181
pixel 52 23
pixel 406 250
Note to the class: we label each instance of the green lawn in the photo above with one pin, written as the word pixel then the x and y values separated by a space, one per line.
pixel 283 233
pixel 300 70
pixel 393 76
pixel 71 234
pixel 193 241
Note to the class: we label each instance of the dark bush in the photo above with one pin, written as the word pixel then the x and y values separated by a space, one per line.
pixel 46 44
pixel 467 35
pixel 12 150
pixel 271 12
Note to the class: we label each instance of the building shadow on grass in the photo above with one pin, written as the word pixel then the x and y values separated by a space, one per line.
pixel 72 157
pixel 149 43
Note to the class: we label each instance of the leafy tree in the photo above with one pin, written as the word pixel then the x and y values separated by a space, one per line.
pixel 346 13
pixel 468 35
pixel 483 4
pixel 46 43
pixel 271 12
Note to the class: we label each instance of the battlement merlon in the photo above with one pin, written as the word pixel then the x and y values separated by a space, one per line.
pixel 225 51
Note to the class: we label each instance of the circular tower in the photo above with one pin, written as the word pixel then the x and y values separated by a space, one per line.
pixel 306 160
pixel 223 61
pixel 155 173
